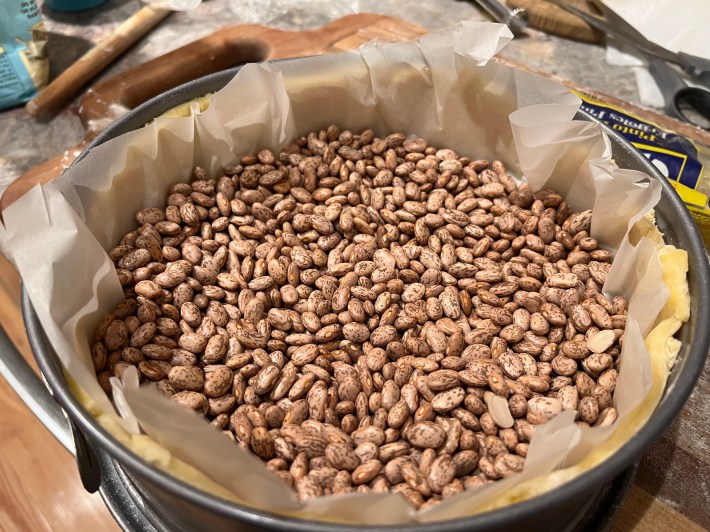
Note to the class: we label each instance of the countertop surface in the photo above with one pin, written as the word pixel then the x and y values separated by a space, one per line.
pixel 672 488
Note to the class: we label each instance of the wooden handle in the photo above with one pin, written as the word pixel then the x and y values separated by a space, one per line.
pixel 550 18
pixel 62 89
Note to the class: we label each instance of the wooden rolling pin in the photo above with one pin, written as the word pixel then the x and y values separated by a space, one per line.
pixel 60 91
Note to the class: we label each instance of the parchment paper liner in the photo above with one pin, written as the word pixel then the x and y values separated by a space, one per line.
pixel 441 88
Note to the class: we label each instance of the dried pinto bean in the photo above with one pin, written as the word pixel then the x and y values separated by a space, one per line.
pixel 348 309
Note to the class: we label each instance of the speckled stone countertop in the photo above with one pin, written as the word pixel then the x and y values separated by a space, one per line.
pixel 26 142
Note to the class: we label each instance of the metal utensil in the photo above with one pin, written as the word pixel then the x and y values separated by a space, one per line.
pixel 690 104
pixel 614 25
pixel 516 19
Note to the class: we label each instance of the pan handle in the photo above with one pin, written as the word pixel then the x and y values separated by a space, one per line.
pixel 35 394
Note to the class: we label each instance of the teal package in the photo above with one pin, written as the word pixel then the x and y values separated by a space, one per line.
pixel 24 67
